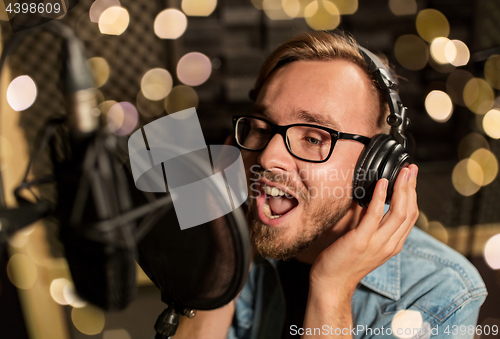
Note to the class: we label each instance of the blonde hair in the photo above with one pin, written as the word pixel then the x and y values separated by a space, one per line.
pixel 322 46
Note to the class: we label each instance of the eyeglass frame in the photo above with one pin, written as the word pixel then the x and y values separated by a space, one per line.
pixel 282 129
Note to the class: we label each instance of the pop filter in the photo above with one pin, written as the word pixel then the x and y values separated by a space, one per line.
pixel 203 266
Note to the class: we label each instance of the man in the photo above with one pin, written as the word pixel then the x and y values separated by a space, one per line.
pixel 325 267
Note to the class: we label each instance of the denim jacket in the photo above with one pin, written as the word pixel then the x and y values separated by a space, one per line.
pixel 428 290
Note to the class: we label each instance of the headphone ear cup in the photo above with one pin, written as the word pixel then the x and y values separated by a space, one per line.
pixel 382 158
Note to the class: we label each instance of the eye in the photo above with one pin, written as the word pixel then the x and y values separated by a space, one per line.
pixel 313 141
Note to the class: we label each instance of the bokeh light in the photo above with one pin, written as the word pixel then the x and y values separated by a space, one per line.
pixel 170 24
pixel 478 96
pixel 471 143
pixel 461 180
pixel 422 221
pixel 346 7
pixel 438 53
pixel 491 123
pixel 274 10
pixel 182 97
pixel 56 290
pixel 122 118
pixel 71 297
pixel 432 24
pixel 404 323
pixel 438 231
pixel 488 163
pixel 439 106
pixel 156 84
pixel 455 84
pixel 89 319
pixel 100 70
pixel 6 153
pixel 116 334
pixel 105 106
pixel 322 15
pixel 99 6
pixel 457 53
pixel 198 7
pixel 411 52
pixel 492 71
pixel 22 271
pixel 21 93
pixel 257 3
pixel 403 7
pixel 114 21
pixel 149 108
pixel 292 8
pixel 194 69
pixel 492 252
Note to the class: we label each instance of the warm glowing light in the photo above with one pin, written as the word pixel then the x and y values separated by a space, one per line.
pixel 182 97
pixel 198 7
pixel 404 323
pixel 100 70
pixel 71 297
pixel 56 290
pixel 105 106
pixel 194 69
pixel 274 10
pixel 114 21
pixel 455 84
pixel 89 319
pixel 461 180
pixel 432 24
pixel 149 108
pixel 6 153
pixel 478 96
pixel 122 118
pixel 438 52
pixel 346 7
pixel 491 123
pixel 492 252
pixel 170 24
pixel 257 3
pixel 21 93
pixel 116 334
pixel 403 7
pixel 439 106
pixel 322 15
pixel 471 143
pixel 411 52
pixel 438 231
pixel 457 53
pixel 492 71
pixel 291 8
pixel 99 6
pixel 422 221
pixel 488 164
pixel 156 84
pixel 22 271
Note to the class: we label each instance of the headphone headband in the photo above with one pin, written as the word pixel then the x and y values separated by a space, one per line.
pixel 397 118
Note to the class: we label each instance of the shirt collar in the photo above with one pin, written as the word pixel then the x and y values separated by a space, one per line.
pixel 385 279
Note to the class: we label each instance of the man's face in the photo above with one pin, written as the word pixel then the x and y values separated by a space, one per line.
pixel 334 94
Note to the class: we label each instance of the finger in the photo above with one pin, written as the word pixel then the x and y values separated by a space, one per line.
pixel 397 214
pixel 375 212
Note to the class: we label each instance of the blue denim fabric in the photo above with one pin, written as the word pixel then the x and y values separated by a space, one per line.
pixel 426 277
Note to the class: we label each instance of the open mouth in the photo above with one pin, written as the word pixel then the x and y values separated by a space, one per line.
pixel 277 203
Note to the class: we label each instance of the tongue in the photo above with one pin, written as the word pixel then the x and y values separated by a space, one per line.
pixel 281 205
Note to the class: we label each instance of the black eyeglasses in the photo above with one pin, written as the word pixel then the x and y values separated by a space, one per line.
pixel 306 142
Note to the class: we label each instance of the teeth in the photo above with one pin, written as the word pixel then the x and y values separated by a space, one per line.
pixel 267 211
pixel 275 192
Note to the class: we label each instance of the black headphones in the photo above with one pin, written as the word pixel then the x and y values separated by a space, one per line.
pixel 386 154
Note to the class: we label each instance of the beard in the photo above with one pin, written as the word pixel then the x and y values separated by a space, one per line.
pixel 286 243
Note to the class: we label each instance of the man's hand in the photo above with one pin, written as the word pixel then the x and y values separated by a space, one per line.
pixel 375 240
pixel 340 267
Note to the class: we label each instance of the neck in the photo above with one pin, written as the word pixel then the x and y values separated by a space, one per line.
pixel 347 223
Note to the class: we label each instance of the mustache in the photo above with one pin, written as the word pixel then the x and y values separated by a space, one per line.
pixel 282 178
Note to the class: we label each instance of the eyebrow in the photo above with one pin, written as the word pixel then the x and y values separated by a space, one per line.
pixel 301 115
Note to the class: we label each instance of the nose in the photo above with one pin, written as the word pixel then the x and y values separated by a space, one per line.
pixel 276 156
